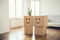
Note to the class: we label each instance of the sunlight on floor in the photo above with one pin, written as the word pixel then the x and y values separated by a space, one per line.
pixel 18 34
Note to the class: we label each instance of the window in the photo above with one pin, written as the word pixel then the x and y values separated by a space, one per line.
pixel 32 6
pixel 19 11
pixel 11 8
pixel 35 7
pixel 19 8
pixel 15 9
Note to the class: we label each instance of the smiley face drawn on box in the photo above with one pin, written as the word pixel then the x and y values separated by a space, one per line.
pixel 40 23
pixel 28 21
pixel 38 20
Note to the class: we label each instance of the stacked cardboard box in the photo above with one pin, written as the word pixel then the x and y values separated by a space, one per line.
pixel 28 23
pixel 40 23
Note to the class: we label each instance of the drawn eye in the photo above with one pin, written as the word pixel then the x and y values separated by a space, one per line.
pixel 36 18
pixel 29 18
pixel 39 18
pixel 26 18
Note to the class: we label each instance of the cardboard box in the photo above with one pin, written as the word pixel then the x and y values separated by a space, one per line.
pixel 28 23
pixel 40 31
pixel 40 23
pixel 40 20
pixel 40 38
pixel 28 30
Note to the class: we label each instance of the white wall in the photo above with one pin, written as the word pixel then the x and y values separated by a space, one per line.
pixel 50 7
pixel 4 16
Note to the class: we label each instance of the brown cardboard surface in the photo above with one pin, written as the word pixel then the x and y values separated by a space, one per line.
pixel 40 20
pixel 40 23
pixel 28 23
pixel 40 31
pixel 28 20
pixel 28 30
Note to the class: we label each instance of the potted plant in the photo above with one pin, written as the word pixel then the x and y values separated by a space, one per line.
pixel 29 11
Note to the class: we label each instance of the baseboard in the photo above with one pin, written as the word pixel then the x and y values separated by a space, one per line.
pixel 16 27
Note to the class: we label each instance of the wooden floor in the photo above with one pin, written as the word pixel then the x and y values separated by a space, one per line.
pixel 18 34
